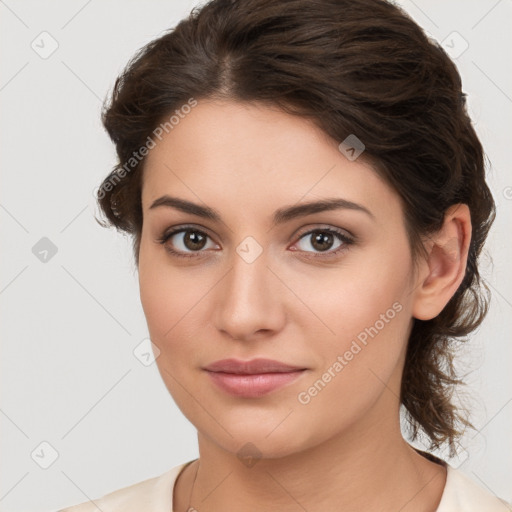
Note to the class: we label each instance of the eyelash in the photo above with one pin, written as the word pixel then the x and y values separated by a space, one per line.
pixel 347 241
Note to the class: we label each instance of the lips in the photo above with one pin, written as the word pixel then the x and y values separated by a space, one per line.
pixel 252 379
pixel 252 367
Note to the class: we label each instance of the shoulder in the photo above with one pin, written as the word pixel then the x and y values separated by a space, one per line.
pixel 153 494
pixel 462 494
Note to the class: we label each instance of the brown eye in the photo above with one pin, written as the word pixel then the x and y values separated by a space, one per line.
pixel 185 242
pixel 194 240
pixel 323 241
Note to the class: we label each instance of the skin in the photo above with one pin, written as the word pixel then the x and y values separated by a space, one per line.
pixel 343 450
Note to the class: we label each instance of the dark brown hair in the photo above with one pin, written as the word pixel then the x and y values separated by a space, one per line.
pixel 361 67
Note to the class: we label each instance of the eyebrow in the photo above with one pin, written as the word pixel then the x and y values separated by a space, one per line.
pixel 281 215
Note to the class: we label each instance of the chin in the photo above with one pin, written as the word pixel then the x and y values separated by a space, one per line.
pixel 249 439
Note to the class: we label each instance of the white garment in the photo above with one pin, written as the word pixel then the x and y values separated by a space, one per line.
pixel 461 494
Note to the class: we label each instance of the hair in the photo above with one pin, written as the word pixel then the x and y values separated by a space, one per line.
pixel 353 67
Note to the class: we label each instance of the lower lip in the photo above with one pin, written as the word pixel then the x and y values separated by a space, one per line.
pixel 251 386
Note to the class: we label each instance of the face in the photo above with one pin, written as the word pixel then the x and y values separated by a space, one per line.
pixel 250 273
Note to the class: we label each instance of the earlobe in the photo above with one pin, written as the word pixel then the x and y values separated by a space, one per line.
pixel 444 269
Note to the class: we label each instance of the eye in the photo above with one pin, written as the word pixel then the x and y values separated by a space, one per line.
pixel 185 240
pixel 188 241
pixel 323 240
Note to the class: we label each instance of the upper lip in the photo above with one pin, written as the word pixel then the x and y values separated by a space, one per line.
pixel 254 366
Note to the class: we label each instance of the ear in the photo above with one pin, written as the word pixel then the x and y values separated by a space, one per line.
pixel 441 274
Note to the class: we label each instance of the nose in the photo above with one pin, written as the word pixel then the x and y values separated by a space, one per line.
pixel 249 301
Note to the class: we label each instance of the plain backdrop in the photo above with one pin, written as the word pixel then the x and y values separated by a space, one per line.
pixel 75 398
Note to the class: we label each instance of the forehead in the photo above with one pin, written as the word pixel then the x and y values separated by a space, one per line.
pixel 226 152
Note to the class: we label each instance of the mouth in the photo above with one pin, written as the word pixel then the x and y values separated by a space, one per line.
pixel 251 379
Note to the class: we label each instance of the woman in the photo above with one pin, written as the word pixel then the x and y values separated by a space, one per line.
pixel 307 200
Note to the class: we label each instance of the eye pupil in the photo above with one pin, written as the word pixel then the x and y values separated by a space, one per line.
pixel 194 240
pixel 321 240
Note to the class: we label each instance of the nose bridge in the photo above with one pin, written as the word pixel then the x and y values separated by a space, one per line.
pixel 249 272
pixel 249 298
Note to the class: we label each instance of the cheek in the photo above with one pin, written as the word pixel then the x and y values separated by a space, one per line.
pixel 362 294
pixel 359 366
pixel 169 308
pixel 168 302
pixel 173 304
pixel 367 312
pixel 166 292
pixel 156 298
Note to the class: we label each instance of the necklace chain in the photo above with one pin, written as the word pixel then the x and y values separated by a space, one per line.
pixel 189 508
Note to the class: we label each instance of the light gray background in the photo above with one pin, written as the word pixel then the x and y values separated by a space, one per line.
pixel 70 324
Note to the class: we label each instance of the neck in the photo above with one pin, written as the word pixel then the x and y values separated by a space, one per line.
pixel 377 470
